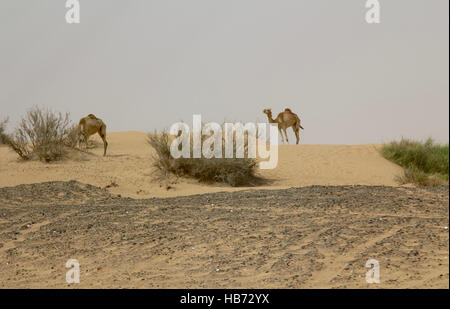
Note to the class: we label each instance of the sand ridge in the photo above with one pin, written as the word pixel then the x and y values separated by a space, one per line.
pixel 127 168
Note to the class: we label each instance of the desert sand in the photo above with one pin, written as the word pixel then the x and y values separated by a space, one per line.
pixel 307 237
pixel 129 231
pixel 127 168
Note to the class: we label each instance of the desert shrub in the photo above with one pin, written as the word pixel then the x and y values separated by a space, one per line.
pixel 41 134
pixel 425 163
pixel 232 171
pixel 418 177
pixel 3 131
pixel 163 161
pixel 72 137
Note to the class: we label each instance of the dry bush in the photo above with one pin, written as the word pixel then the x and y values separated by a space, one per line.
pixel 163 161
pixel 73 136
pixel 42 134
pixel 233 171
pixel 3 136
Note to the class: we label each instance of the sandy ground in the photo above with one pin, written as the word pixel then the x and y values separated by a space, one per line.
pixel 128 167
pixel 128 231
pixel 308 237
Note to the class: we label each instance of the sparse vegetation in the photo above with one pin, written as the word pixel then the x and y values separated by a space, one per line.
pixel 233 171
pixel 425 163
pixel 72 137
pixel 42 134
pixel 2 130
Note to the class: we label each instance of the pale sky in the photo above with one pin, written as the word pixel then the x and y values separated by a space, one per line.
pixel 146 64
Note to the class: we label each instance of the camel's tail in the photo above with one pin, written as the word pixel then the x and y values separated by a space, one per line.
pixel 298 125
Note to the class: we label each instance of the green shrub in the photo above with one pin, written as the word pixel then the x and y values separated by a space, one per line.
pixel 425 163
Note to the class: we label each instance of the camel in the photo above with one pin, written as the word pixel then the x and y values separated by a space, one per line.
pixel 285 120
pixel 90 125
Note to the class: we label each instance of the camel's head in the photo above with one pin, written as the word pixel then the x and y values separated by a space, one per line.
pixel 268 112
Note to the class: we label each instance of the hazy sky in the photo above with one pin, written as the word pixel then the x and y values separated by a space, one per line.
pixel 145 64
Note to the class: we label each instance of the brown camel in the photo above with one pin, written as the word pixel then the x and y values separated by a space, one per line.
pixel 90 125
pixel 285 120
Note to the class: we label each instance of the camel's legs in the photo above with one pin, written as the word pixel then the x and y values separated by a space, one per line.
pixel 85 142
pixel 102 133
pixel 285 133
pixel 105 145
pixel 281 133
pixel 80 140
pixel 296 131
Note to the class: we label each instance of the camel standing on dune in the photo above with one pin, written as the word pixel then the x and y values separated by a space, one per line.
pixel 285 120
pixel 90 125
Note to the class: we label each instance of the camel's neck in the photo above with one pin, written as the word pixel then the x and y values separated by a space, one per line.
pixel 270 119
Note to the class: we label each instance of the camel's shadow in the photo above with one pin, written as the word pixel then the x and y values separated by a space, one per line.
pixel 85 151
pixel 116 155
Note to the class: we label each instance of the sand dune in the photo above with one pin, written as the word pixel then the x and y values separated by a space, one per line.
pixel 128 167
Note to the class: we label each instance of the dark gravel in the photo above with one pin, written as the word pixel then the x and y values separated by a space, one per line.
pixel 317 236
